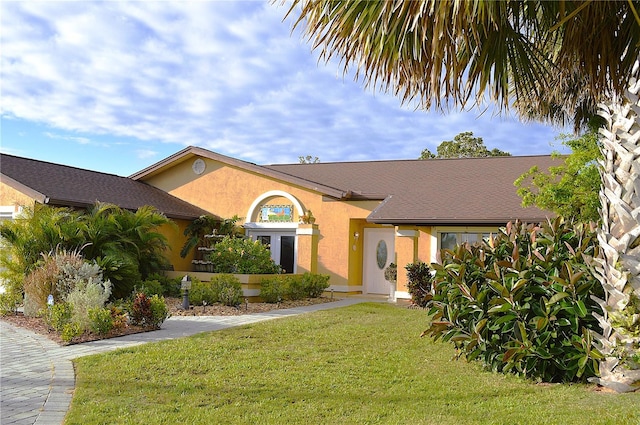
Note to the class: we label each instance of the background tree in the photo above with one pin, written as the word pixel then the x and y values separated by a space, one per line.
pixel 463 145
pixel 308 159
pixel 570 189
pixel 551 60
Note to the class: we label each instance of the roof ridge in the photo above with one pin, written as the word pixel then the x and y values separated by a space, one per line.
pixel 410 160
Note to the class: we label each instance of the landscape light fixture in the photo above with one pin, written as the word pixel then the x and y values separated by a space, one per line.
pixel 186 286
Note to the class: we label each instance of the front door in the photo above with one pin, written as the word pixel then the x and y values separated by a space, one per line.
pixel 379 252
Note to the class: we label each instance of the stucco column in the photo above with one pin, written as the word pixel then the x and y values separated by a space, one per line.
pixel 406 245
pixel 307 239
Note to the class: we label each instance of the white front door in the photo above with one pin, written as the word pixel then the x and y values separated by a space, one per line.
pixel 379 252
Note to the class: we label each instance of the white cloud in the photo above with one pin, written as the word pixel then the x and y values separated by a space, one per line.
pixel 229 76
pixel 146 154
pixel 79 140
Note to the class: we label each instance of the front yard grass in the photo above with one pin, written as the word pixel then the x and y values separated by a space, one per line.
pixel 363 364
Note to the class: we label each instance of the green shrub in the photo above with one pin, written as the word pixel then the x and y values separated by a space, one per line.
pixel 294 288
pixel 101 321
pixel 171 287
pixel 9 302
pixel 159 311
pixel 242 256
pixel 230 296
pixel 202 291
pixel 522 302
pixel 150 287
pixel 419 279
pixel 70 331
pixel 227 289
pixel 58 315
pixel 272 290
pixel 315 284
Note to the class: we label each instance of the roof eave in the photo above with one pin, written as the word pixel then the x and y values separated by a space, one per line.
pixel 30 192
pixel 453 221
pixel 192 151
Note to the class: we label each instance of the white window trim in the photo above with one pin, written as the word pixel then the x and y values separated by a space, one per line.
pixel 437 230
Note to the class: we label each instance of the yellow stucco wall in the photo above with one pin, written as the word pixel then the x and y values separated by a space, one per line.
pixel 176 239
pixel 226 191
pixel 12 197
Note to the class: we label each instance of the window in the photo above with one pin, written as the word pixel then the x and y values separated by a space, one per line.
pixel 451 237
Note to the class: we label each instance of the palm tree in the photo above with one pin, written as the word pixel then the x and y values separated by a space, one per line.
pixel 550 60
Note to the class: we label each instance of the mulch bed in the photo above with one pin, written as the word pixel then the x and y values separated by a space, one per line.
pixel 37 324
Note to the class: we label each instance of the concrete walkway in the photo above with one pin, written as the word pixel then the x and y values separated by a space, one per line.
pixel 37 377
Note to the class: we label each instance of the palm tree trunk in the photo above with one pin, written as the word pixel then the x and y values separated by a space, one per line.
pixel 618 265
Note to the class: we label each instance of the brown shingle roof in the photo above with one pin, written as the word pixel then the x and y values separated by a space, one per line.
pixel 445 191
pixel 61 185
pixel 192 152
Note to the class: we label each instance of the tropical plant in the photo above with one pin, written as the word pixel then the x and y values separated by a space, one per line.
pixel 522 302
pixel 570 189
pixel 541 57
pixel 127 245
pixel 206 225
pixel 419 281
pixel 36 231
pixel 463 145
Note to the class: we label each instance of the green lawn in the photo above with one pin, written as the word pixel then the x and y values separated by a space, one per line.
pixel 363 364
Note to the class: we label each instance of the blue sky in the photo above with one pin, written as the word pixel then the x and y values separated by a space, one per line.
pixel 117 86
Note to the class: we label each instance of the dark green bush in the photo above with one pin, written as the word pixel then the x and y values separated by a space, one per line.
pixel 150 287
pixel 171 287
pixel 522 302
pixel 272 289
pixel 419 280
pixel 314 284
pixel 242 256
pixel 293 287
